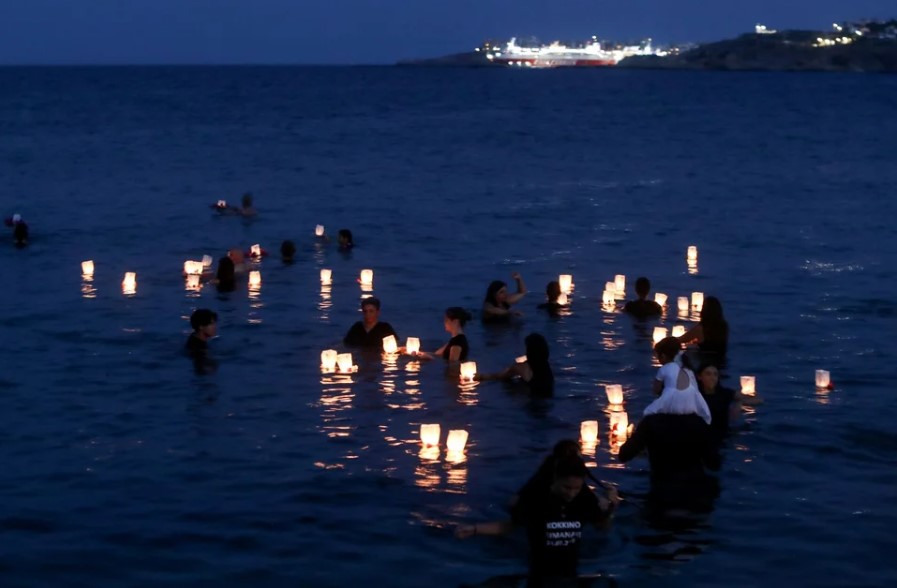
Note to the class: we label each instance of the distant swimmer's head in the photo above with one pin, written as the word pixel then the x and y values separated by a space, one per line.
pixel 247 200
pixel 569 477
pixel 642 287
pixel 553 291
pixel 497 293
pixel 456 314
pixel 667 349
pixel 204 323
pixel 20 233
pixel 288 250
pixel 370 310
pixel 708 377
pixel 345 238
pixel 225 273
pixel 536 349
pixel 16 218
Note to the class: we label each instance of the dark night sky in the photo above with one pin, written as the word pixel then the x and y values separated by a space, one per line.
pixel 372 31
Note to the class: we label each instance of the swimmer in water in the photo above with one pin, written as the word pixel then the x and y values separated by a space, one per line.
pixel 497 304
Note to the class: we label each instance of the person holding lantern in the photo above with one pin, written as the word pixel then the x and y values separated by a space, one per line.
pixel 724 403
pixel 457 347
pixel 712 332
pixel 497 305
pixel 554 516
pixel 535 372
pixel 369 332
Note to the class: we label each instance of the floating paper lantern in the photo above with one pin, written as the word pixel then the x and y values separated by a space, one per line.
pixel 468 371
pixel 607 297
pixel 367 277
pixel 87 267
pixel 562 299
pixel 328 359
pixel 566 282
pixel 255 250
pixel 193 282
pixel 614 394
pixel 697 300
pixel 610 286
pixel 207 261
pixel 620 284
pixel 222 204
pixel 255 279
pixel 659 333
pixel 319 231
pixel 412 346
pixel 678 331
pixel 660 299
pixel 682 303
pixel 129 284
pixel 748 385
pixel 344 362
pixel 823 379
pixel 429 435
pixel 456 440
pixel 521 359
pixel 588 432
pixel 619 423
pixel 326 276
pixel 192 267
pixel 692 255
pixel 389 344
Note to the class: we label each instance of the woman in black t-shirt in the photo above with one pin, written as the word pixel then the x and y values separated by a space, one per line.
pixel 724 403
pixel 457 347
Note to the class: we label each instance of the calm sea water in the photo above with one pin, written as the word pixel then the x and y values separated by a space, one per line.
pixel 122 467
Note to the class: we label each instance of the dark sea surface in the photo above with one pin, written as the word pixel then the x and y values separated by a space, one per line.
pixel 121 467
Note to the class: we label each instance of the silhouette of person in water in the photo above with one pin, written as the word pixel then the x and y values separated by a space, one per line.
pixel 344 239
pixel 642 308
pixel 552 293
pixel 369 332
pixel 287 251
pixel 497 304
pixel 205 327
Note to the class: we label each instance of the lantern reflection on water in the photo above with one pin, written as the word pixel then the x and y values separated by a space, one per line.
pixel 429 434
pixel 823 379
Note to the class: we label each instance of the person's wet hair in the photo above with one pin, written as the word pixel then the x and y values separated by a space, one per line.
pixel 492 291
pixel 712 310
pixel 536 348
pixel 247 200
pixel 571 465
pixel 668 347
pixel 456 313
pixel 371 301
pixel 287 250
pixel 642 287
pixel 202 317
pixel 553 291
pixel 345 236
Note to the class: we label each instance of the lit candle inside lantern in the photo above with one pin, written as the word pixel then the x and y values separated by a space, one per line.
pixel 692 253
pixel 562 299
pixel 412 346
pixel 255 250
pixel 207 261
pixel 748 385
pixel 389 344
pixel 566 282
pixel 607 298
pixel 319 231
pixel 660 298
pixel 429 435
pixel 682 303
pixel 193 282
pixel 614 394
pixel 697 300
pixel 255 279
pixel 823 379
pixel 456 440
pixel 328 359
pixel 367 277
pixel 620 284
pixel 521 359
pixel 659 333
pixel 588 432
pixel 468 371
pixel 344 362
pixel 87 267
pixel 678 330
pixel 619 424
pixel 129 284
pixel 326 276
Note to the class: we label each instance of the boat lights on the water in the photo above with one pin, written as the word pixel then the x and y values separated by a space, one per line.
pixel 591 53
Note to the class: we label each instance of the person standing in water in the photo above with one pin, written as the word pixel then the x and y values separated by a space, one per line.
pixel 497 304
pixel 369 332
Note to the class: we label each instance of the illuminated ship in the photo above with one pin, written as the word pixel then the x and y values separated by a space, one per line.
pixel 593 53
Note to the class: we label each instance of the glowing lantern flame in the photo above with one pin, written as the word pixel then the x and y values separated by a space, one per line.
pixel 823 379
pixel 87 267
pixel 748 385
pixel 566 282
pixel 588 432
pixel 412 346
pixel 614 394
pixel 328 359
pixel 429 435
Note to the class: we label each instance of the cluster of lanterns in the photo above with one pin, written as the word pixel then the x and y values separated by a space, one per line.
pixel 619 428
pixel 334 362
pixel 455 442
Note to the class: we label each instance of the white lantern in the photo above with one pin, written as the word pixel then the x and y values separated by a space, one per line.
pixel 562 299
pixel 468 371
pixel 823 379
pixel 129 284
pixel 521 359
pixel 87 267
pixel 389 344
pixel 319 231
pixel 255 250
pixel 660 299
pixel 412 346
pixel 192 267
pixel 697 300
pixel 429 435
pixel 207 261
pixel 610 287
pixel 748 385
pixel 255 279
pixel 619 423
pixel 326 276
pixel 607 298
pixel 692 253
pixel 566 282
pixel 620 284
pixel 367 277
pixel 659 333
pixel 682 303
pixel 588 432
pixel 193 282
pixel 456 440
pixel 328 359
pixel 614 394
pixel 222 204
pixel 344 361
pixel 678 330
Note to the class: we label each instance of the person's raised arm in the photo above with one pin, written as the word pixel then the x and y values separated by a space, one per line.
pixel 693 335
pixel 521 289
